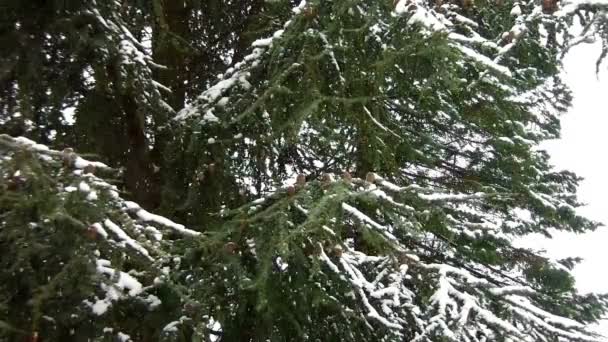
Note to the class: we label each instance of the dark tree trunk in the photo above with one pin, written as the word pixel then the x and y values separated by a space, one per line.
pixel 170 48
pixel 139 171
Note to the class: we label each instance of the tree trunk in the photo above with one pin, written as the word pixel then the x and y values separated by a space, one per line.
pixel 170 48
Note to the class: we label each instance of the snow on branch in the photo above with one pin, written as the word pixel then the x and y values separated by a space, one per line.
pixel 107 220
pixel 458 294
pixel 134 62
pixel 366 219
pixel 125 239
pixel 86 182
pixel 462 295
pixel 236 75
pixel 446 20
pixel 121 284
pixel 571 6
pixel 149 217
pixel 369 292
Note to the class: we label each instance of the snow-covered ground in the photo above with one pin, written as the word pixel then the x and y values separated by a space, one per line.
pixel 583 149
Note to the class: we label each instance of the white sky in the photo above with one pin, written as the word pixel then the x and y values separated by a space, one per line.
pixel 582 149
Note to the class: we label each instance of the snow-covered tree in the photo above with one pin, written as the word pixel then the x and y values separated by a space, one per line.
pixel 361 173
pixel 74 73
pixel 78 261
pixel 593 17
pixel 432 114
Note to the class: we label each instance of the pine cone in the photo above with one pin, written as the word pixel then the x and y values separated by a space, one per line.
pixel 347 177
pixel 16 183
pixel 549 6
pixel 370 177
pixel 231 247
pixel 466 4
pixel 338 251
pixel 68 157
pixel 89 169
pixel 311 12
pixel 301 180
pixel 327 179
pixel 91 233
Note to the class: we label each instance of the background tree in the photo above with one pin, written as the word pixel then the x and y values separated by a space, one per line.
pixel 118 102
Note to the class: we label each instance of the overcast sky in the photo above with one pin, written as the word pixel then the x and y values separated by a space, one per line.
pixel 582 149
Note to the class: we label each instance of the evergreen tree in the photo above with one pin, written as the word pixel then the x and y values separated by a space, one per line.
pixel 79 262
pixel 82 56
pixel 113 91
pixel 447 118
pixel 360 173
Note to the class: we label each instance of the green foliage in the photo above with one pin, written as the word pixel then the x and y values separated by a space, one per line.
pixel 59 263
